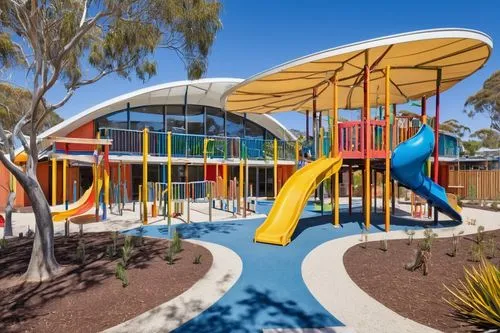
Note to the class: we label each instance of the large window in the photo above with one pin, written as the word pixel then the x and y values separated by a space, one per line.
pixel 215 121
pixel 254 131
pixel 150 117
pixel 175 119
pixel 234 126
pixel 114 120
pixel 195 119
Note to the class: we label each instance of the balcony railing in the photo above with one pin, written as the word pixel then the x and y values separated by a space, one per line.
pixel 129 142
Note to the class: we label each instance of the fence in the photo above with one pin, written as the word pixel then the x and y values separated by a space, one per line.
pixel 475 184
pixel 129 142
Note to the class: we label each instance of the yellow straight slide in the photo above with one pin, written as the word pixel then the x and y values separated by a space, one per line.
pixel 284 216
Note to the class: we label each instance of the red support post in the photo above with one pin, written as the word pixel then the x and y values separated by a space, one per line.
pixel 436 136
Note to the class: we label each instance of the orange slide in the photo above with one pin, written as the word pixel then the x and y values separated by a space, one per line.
pixel 83 205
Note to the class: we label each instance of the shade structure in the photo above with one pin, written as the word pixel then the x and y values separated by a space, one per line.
pixel 414 57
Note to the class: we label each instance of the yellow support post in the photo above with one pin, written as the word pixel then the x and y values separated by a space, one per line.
pixel 275 173
pixel 65 167
pixel 169 176
pixel 54 182
pixel 145 146
pixel 224 181
pixel 387 174
pixel 335 151
pixel 241 182
pixel 367 116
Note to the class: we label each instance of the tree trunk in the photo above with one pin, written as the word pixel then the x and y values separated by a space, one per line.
pixel 43 264
pixel 11 198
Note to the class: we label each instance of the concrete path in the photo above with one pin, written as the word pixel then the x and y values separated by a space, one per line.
pixel 222 275
pixel 334 289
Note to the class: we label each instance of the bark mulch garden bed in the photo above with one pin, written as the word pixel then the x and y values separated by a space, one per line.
pixel 88 297
pixel 383 276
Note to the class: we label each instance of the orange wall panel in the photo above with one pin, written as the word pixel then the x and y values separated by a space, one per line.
pixel 86 131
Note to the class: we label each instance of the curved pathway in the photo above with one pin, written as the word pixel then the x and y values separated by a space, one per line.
pixel 222 275
pixel 335 290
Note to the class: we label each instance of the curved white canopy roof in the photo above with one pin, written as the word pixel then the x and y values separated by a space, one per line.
pixel 414 58
pixel 201 92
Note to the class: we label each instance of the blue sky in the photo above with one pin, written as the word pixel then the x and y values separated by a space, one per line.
pixel 260 34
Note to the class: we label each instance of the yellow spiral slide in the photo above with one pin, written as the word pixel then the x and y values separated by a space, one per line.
pixel 284 216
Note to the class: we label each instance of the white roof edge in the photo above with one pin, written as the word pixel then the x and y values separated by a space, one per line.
pixel 366 44
pixel 287 131
pixel 130 95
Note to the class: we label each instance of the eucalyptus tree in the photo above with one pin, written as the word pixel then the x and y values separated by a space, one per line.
pixel 486 101
pixel 77 43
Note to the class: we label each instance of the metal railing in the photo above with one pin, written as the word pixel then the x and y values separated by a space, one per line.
pixel 129 142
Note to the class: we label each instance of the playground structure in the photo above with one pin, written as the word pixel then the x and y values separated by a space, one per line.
pixel 378 73
pixel 354 77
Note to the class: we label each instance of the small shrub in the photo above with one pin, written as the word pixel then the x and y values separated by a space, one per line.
pixel 111 250
pixel 491 247
pixel 176 242
pixel 423 256
pixel 426 243
pixel 4 243
pixel 476 301
pixel 197 259
pixel 477 251
pixel 80 251
pixel 170 255
pixel 383 245
pixel 139 239
pixel 30 233
pixel 121 273
pixel 454 243
pixel 410 234
pixel 127 250
pixel 494 205
pixel 364 238
pixel 480 234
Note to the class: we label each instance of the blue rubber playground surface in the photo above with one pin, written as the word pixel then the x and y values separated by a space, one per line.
pixel 270 292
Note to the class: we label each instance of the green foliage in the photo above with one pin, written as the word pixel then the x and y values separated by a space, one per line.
pixel 486 101
pixel 4 243
pixel 121 273
pixel 453 126
pixel 111 250
pixel 411 234
pixel 490 247
pixel 80 251
pixel 494 205
pixel 127 250
pixel 170 255
pixel 197 259
pixel 489 138
pixel 455 239
pixel 426 243
pixel 471 147
pixel 477 300
pixel 480 234
pixel 14 101
pixel 176 242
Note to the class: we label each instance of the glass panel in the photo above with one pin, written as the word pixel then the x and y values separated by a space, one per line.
pixel 253 130
pixel 196 124
pixel 115 120
pixel 234 126
pixel 269 136
pixel 215 121
pixel 147 116
pixel 175 119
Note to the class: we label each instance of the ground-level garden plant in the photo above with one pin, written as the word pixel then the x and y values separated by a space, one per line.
pixel 477 300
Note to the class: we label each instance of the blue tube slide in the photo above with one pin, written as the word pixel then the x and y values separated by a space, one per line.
pixel 407 162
